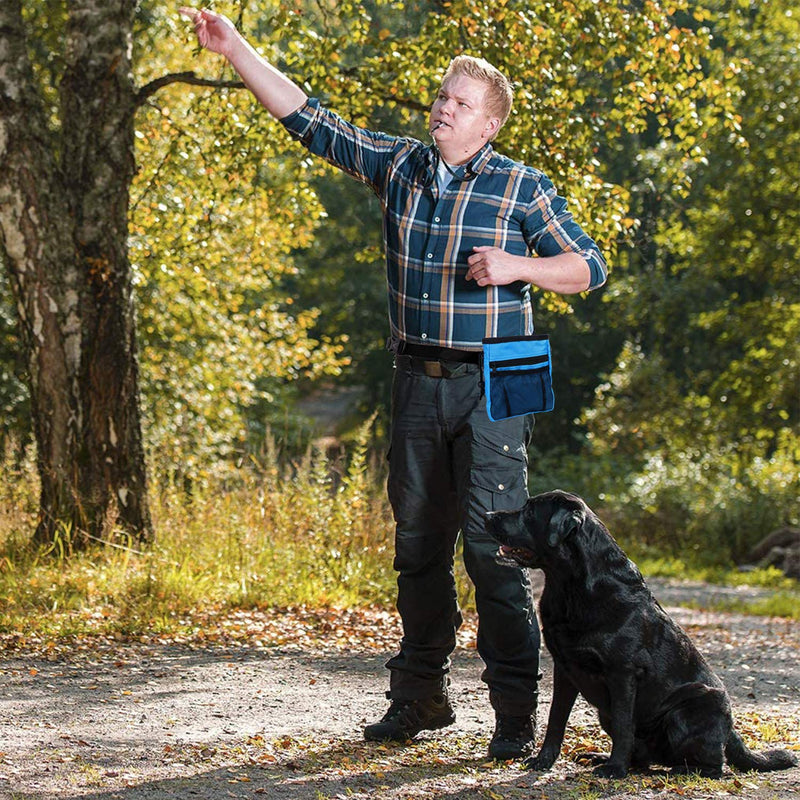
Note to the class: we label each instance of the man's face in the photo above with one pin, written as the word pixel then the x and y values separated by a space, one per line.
pixel 459 111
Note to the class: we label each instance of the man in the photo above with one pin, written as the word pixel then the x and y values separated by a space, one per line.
pixel 467 232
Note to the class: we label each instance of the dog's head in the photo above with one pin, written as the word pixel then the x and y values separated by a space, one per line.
pixel 533 535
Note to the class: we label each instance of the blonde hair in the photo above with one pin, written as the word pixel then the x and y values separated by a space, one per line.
pixel 499 92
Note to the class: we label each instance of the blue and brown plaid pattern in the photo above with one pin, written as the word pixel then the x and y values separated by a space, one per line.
pixel 428 236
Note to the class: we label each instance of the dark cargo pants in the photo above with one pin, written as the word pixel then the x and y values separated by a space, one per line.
pixel 448 465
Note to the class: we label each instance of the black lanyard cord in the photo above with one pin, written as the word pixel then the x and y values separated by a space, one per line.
pixel 431 167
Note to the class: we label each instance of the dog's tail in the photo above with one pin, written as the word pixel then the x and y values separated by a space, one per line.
pixel 745 759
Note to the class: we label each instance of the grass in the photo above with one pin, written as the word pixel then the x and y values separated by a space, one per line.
pixel 783 601
pixel 313 533
pixel 768 577
pixel 303 534
pixel 783 604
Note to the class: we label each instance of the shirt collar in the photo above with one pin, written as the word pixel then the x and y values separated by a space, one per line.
pixel 481 158
pixel 467 171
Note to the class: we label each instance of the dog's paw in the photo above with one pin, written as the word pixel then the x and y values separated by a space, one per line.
pixel 610 770
pixel 539 763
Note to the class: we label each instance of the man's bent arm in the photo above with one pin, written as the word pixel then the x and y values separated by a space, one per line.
pixel 565 273
pixel 274 90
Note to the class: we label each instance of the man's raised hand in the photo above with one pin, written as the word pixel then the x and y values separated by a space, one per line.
pixel 214 32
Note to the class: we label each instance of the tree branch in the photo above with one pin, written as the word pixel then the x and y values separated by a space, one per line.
pixel 149 89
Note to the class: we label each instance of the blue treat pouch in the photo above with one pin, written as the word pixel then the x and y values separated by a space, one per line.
pixel 517 376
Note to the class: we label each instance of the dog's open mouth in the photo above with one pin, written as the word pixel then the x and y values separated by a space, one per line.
pixel 521 555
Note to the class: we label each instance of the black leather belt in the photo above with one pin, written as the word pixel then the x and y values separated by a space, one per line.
pixel 433 353
pixel 437 362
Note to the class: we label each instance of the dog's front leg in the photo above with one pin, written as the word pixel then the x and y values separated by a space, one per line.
pixel 564 694
pixel 619 725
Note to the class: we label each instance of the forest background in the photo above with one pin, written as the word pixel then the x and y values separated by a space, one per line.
pixel 258 284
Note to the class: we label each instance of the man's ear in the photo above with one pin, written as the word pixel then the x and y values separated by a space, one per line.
pixel 491 127
pixel 563 523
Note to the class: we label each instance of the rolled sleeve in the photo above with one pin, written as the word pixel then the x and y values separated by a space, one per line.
pixel 550 229
pixel 301 122
pixel 598 270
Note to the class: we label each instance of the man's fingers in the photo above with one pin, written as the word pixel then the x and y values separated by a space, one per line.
pixel 201 19
pixel 197 16
pixel 478 255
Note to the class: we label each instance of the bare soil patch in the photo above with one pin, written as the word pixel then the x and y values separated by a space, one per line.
pixel 271 704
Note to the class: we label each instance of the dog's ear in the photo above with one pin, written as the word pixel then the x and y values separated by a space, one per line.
pixel 564 522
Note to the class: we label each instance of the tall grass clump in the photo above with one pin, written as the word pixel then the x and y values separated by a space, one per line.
pixel 275 532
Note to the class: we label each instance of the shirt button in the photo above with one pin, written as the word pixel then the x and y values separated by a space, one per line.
pixel 505 447
pixel 430 255
pixel 437 219
pixel 501 486
pixel 424 336
pixel 425 297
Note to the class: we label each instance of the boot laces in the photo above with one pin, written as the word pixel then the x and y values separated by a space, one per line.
pixel 406 712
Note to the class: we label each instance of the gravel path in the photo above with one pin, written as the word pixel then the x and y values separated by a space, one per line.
pixel 146 721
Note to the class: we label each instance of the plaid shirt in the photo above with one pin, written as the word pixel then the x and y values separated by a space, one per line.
pixel 428 236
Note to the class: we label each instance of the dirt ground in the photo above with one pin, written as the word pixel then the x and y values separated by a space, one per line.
pixel 251 718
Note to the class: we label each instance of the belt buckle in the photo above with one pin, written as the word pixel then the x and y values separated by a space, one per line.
pixel 434 369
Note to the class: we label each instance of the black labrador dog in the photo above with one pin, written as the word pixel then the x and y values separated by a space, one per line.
pixel 611 641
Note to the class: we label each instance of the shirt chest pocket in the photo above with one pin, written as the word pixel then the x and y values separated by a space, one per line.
pixel 489 224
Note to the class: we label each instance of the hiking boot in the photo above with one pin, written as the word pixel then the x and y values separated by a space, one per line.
pixel 406 718
pixel 514 737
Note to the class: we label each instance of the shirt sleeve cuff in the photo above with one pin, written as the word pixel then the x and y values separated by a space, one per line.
pixel 598 271
pixel 300 123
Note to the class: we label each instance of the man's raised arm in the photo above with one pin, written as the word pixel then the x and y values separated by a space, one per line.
pixel 277 93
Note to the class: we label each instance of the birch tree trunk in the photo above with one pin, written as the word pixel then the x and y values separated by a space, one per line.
pixel 64 187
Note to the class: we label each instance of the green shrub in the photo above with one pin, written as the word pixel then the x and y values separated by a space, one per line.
pixel 707 508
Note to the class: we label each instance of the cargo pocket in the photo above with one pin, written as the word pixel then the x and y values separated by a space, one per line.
pixel 499 467
pixel 499 491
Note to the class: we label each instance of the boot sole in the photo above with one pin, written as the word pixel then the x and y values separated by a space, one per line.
pixel 511 754
pixel 434 724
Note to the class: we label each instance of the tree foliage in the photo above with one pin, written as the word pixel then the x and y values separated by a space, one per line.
pixel 712 320
pixel 667 125
pixel 218 207
pixel 703 403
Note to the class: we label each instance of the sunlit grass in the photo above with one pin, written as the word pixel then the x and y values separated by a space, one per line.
pixel 770 577
pixel 310 532
pixel 759 729
pixel 278 536
pixel 783 602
